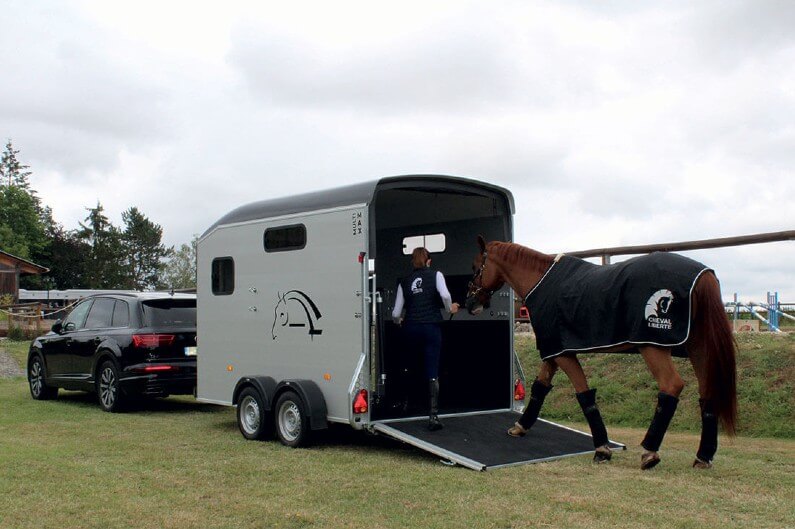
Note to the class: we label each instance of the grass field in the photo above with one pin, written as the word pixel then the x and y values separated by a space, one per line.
pixel 177 463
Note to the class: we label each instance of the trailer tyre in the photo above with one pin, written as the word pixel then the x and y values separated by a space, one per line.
pixel 292 422
pixel 252 417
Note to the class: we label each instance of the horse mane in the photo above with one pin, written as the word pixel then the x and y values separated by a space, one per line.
pixel 520 256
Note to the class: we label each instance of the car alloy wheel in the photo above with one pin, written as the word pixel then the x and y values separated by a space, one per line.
pixel 108 390
pixel 39 389
pixel 36 378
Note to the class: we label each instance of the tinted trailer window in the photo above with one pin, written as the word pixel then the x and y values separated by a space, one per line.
pixel 169 313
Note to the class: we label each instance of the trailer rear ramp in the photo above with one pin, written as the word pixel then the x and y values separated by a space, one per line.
pixel 478 441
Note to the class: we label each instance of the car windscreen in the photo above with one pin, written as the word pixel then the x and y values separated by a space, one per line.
pixel 169 312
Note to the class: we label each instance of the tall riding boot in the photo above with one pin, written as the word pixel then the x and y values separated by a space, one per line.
pixel 587 400
pixel 709 435
pixel 666 406
pixel 433 417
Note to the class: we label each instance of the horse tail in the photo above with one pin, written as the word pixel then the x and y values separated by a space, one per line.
pixel 714 338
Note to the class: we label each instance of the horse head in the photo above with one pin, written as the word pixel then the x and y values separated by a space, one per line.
pixel 659 303
pixel 485 281
pixel 280 314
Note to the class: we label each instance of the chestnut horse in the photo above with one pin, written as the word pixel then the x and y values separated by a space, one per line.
pixel 709 345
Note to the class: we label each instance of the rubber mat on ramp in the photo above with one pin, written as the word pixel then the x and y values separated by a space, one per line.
pixel 479 441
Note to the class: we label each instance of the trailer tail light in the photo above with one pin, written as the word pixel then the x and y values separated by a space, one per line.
pixel 360 402
pixel 518 390
pixel 152 341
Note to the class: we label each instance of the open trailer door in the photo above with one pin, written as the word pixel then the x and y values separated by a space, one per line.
pixel 479 441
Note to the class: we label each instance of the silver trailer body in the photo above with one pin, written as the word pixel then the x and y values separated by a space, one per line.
pixel 291 314
pixel 295 297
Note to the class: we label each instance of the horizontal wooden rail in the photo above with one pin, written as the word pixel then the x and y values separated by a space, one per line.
pixel 741 240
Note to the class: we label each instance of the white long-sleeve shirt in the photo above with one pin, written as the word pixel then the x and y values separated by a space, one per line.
pixel 441 287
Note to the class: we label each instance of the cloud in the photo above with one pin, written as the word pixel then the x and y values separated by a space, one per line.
pixel 73 94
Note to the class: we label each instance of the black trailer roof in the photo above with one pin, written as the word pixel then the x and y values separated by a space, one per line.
pixel 362 193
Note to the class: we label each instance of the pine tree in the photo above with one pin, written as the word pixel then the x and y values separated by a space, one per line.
pixel 144 251
pixel 13 173
pixel 106 264
pixel 21 228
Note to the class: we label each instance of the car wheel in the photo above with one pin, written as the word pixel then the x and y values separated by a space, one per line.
pixel 109 392
pixel 39 389
pixel 253 419
pixel 292 423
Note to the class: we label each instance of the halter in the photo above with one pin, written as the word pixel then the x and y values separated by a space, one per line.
pixel 474 290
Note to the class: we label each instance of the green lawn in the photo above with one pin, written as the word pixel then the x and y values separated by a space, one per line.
pixel 627 393
pixel 181 464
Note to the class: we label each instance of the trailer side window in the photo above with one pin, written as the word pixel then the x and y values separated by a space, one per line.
pixel 434 243
pixel 285 238
pixel 223 276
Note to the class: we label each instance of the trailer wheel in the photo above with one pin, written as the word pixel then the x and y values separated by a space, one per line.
pixel 292 423
pixel 252 417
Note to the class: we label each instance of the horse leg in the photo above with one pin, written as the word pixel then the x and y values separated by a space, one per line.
pixel 542 385
pixel 587 400
pixel 709 420
pixel 670 385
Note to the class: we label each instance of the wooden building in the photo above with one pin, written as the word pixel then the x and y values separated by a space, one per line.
pixel 11 268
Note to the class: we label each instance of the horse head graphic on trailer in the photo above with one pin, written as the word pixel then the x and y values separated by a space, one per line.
pixel 295 309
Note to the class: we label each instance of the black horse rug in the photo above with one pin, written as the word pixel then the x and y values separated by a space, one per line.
pixel 579 306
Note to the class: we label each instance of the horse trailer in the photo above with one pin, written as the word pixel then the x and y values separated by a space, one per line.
pixel 294 320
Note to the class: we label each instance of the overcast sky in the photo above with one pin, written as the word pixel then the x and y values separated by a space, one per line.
pixel 625 123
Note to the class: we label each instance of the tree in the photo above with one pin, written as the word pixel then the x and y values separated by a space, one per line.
pixel 180 269
pixel 12 172
pixel 21 228
pixel 143 249
pixel 106 264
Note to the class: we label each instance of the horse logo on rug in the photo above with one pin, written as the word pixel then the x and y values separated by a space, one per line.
pixel 658 305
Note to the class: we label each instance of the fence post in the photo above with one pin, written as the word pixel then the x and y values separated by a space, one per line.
pixel 736 308
pixel 772 309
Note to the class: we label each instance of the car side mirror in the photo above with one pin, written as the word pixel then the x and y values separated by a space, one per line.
pixel 69 326
pixel 57 327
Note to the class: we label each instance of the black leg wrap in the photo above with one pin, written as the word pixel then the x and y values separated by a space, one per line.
pixel 587 400
pixel 538 392
pixel 666 406
pixel 709 432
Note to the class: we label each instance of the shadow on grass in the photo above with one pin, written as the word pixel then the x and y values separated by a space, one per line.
pixel 140 405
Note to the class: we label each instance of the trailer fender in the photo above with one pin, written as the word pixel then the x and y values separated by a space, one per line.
pixel 313 399
pixel 265 385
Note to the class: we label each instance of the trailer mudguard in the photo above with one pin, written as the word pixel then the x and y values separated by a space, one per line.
pixel 265 385
pixel 313 399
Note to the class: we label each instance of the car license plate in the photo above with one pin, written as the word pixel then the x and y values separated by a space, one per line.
pixel 190 351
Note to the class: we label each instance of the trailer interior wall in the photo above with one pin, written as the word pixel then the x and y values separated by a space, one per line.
pixel 476 365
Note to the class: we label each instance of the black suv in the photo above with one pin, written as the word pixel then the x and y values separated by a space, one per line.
pixel 119 346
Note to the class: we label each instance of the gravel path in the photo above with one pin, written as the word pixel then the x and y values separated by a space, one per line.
pixel 8 366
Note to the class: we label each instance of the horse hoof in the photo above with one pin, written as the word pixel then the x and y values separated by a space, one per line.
pixel 649 460
pixel 517 430
pixel 702 465
pixel 603 454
